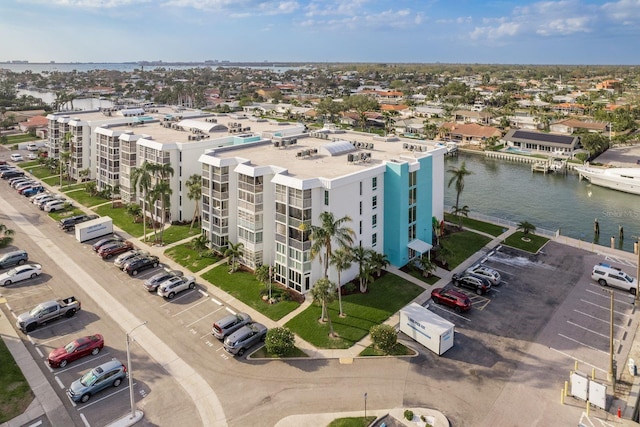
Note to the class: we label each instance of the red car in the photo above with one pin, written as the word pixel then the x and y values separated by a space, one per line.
pixel 81 347
pixel 451 298
pixel 115 248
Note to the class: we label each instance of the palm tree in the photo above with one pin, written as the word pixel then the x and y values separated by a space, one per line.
pixel 362 257
pixel 427 266
pixel 379 262
pixel 6 236
pixel 233 252
pixel 341 260
pixel 459 213
pixel 162 192
pixel 526 227
pixel 141 178
pixel 200 244
pixel 323 235
pixel 458 179
pixel 134 210
pixel 323 293
pixel 194 192
pixel 64 153
pixel 263 275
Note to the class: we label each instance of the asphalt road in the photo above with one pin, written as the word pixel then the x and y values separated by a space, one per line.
pixel 512 352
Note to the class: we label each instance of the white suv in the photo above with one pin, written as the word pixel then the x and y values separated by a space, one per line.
pixel 486 272
pixel 607 275
pixel 169 288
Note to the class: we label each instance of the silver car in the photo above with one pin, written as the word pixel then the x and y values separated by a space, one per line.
pixel 230 323
pixel 152 284
pixel 488 273
pixel 242 339
pixel 121 259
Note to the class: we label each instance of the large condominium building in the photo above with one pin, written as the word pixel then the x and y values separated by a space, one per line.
pixel 266 194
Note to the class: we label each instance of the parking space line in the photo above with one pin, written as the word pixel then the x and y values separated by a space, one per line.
pixel 449 311
pixel 36 424
pixel 39 352
pixel 84 420
pixel 207 315
pixel 52 339
pixel 59 322
pixel 579 360
pixel 106 397
pixel 216 301
pixel 583 344
pixel 182 295
pixel 31 340
pixel 606 295
pixel 59 382
pixel 588 330
pixel 92 360
pixel 229 310
pixel 47 365
pixel 190 307
pixel 203 293
pixel 605 307
pixel 597 318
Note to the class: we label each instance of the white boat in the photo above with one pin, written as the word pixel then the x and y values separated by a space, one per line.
pixel 621 179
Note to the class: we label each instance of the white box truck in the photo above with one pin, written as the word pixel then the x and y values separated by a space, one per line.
pixel 95 228
pixel 426 327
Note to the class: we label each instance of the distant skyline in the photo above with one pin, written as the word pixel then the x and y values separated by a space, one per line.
pixel 415 31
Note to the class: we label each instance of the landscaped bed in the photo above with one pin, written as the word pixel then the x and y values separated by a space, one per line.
pixel 15 393
pixel 386 296
pixel 462 245
pixel 189 258
pixel 529 242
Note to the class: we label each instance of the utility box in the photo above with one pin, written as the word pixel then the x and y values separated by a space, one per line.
pixel 426 327
pixel 95 228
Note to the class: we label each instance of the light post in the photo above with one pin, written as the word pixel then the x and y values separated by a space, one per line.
pixel 610 374
pixel 365 407
pixel 132 397
pixel 637 249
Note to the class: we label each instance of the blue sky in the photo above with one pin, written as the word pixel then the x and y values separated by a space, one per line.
pixel 453 31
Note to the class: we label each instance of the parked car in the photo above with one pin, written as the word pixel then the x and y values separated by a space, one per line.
pixel 36 198
pixel 229 324
pixel 11 173
pixel 123 258
pixel 33 191
pixel 479 284
pixel 70 223
pixel 111 249
pixel 48 199
pixel 169 288
pixel 152 283
pixel 12 258
pixel 486 272
pixel 108 374
pixel 16 157
pixel 100 243
pixel 144 262
pixel 19 273
pixel 32 156
pixel 32 146
pixel 76 349
pixel 451 298
pixel 18 180
pixel 606 275
pixel 21 183
pixel 245 337
pixel 55 205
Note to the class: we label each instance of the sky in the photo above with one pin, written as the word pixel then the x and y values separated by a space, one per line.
pixel 374 31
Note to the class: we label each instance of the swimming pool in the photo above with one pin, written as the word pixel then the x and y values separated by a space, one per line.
pixel 517 151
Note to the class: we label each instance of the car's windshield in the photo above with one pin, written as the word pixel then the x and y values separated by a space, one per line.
pixel 12 272
pixel 628 278
pixel 36 310
pixel 70 348
pixel 88 379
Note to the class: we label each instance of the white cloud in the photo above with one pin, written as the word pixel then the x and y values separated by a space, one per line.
pixel 91 4
pixel 507 29
pixel 625 12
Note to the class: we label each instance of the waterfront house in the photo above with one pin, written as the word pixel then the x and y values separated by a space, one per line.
pixel 541 142
pixel 569 126
pixel 469 133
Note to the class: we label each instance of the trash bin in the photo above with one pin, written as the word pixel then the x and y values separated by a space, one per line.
pixel 633 369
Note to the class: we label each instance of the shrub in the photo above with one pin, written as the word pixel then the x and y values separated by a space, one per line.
pixel 384 337
pixel 408 414
pixel 280 341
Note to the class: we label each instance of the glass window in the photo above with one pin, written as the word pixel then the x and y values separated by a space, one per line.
pixel 360 207
pixel 374 239
pixel 361 188
pixel 374 202
pixel 374 221
pixel 326 197
pixel 374 183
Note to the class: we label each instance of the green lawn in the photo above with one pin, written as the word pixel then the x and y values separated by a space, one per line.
pixel 15 393
pixel 417 273
pixel 398 350
pixel 58 215
pixel 190 259
pixel 536 242
pixel 40 172
pixel 175 233
pixel 15 139
pixel 352 422
pixel 244 286
pixel 474 224
pixel 121 219
pixel 386 296
pixel 84 198
pixel 54 181
pixel 462 245
pixel 263 353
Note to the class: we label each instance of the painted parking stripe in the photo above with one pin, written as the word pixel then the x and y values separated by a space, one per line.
pixel 190 307
pixel 582 362
pixel 450 312
pixel 203 293
pixel 582 344
pixel 84 420
pixel 597 318
pixel 93 402
pixel 607 307
pixel 36 424
pixel 216 301
pixel 203 317
pixel 89 360
pixel 230 310
pixel 59 382
pixel 39 351
pixel 589 330
pixel 603 294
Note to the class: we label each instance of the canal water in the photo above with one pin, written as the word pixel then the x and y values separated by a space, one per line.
pixel 510 191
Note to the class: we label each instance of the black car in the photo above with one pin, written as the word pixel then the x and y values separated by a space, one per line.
pixel 100 243
pixel 479 284
pixel 8 174
pixel 70 223
pixel 141 263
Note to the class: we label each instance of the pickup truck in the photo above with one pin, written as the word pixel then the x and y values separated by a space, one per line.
pixel 47 311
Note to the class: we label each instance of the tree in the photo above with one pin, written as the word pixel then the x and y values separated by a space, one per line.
pixel 323 235
pixel 427 266
pixel 526 227
pixel 263 275
pixel 233 252
pixel 91 188
pixel 379 262
pixel 362 257
pixel 457 177
pixel 194 192
pixel 141 178
pixel 385 337
pixel 280 341
pixel 323 293
pixel 134 210
pixel 64 152
pixel 6 236
pixel 459 213
pixel 341 260
pixel 200 244
pixel 162 192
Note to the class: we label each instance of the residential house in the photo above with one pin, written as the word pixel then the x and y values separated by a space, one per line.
pixel 469 133
pixel 541 142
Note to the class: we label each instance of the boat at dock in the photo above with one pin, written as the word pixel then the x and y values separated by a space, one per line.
pixel 621 179
pixel 557 165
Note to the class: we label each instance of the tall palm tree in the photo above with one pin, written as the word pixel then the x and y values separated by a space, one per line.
pixel 323 293
pixel 6 236
pixel 162 192
pixel 341 260
pixel 64 153
pixel 141 178
pixel 194 192
pixel 379 262
pixel 457 177
pixel 322 237
pixel 362 257
pixel 233 252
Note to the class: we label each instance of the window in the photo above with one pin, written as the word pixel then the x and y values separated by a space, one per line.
pixel 374 202
pixel 374 183
pixel 412 232
pixel 361 188
pixel 374 239
pixel 413 179
pixel 360 207
pixel 360 228
pixel 374 221
pixel 326 197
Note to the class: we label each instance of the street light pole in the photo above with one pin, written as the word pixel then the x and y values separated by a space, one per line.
pixel 610 374
pixel 132 397
pixel 365 407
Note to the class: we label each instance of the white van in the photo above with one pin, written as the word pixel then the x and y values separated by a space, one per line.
pixel 607 275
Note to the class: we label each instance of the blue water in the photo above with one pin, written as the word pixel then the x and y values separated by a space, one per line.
pixel 509 190
pixel 517 150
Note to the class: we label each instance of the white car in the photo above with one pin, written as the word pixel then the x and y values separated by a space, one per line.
pixel 169 288
pixel 16 157
pixel 20 272
pixel 56 205
pixel 607 275
pixel 486 272
pixel 32 146
pixel 32 156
